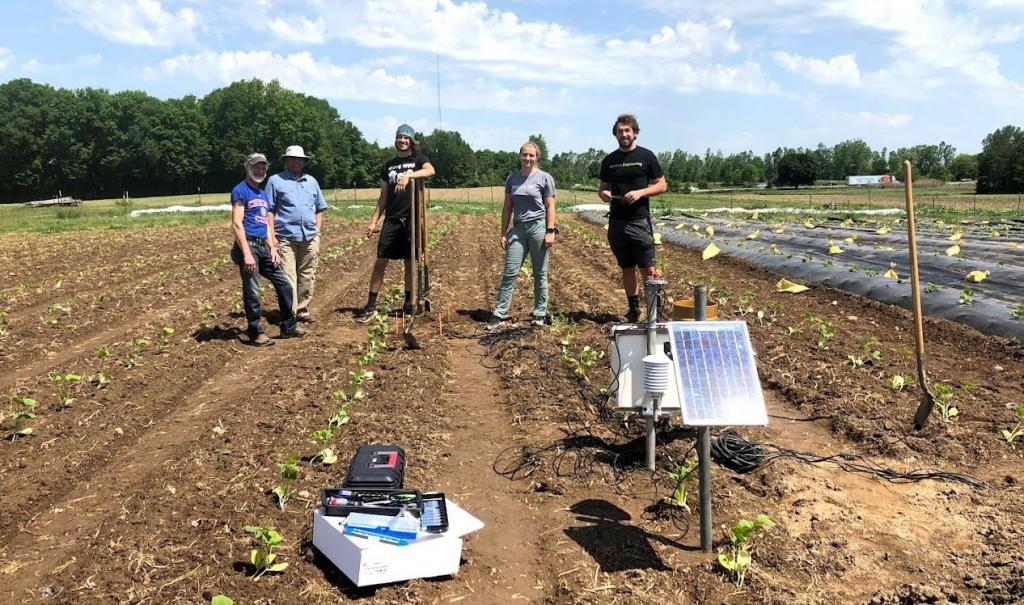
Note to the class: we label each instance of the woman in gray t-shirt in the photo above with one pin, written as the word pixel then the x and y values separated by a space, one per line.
pixel 530 209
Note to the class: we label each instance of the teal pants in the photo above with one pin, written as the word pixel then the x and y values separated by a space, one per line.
pixel 525 238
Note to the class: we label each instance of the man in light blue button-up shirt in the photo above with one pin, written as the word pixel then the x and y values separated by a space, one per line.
pixel 295 213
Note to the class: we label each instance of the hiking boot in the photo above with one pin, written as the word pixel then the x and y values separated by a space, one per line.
pixel 494 323
pixel 297 332
pixel 633 316
pixel 260 340
pixel 407 309
pixel 365 314
pixel 537 321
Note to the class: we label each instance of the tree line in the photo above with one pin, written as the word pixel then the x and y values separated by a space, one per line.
pixel 91 143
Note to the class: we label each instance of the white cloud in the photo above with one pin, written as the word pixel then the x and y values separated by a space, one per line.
pixel 89 60
pixel 363 82
pixel 302 31
pixel 868 118
pixel 841 70
pixel 475 36
pixel 6 57
pixel 138 22
pixel 31 66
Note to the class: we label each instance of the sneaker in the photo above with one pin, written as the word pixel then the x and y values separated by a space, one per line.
pixel 303 316
pixel 365 314
pixel 537 321
pixel 296 333
pixel 633 316
pixel 494 323
pixel 261 340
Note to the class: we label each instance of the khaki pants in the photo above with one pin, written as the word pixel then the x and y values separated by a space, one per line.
pixel 299 261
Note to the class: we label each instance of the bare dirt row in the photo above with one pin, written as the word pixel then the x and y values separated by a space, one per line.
pixel 139 491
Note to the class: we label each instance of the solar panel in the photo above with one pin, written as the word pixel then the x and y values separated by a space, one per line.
pixel 718 382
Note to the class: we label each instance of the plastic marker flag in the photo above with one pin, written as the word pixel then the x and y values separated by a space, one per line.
pixel 953 250
pixel 754 235
pixel 709 230
pixel 956 237
pixel 710 252
pixel 977 276
pixel 785 285
pixel 833 248
pixel 891 273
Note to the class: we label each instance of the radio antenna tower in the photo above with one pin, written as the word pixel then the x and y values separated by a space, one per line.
pixel 440 120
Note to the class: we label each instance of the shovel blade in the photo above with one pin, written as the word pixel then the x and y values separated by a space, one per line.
pixel 924 409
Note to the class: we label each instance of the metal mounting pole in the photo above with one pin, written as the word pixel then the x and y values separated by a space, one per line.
pixel 700 302
pixel 653 291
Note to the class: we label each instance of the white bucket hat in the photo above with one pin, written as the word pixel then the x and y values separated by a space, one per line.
pixel 295 151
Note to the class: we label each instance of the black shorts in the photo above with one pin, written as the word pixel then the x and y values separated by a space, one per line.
pixel 632 242
pixel 394 240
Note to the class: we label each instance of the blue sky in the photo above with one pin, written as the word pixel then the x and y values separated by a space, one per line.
pixel 731 75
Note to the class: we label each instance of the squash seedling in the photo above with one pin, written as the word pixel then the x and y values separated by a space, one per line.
pixel 326 455
pixel 359 377
pixel 946 401
pixel 263 556
pixel 5 324
pixel 165 339
pixel 682 477
pixel 1018 430
pixel 22 414
pixel 65 387
pixel 221 600
pixel 740 556
pixel 966 297
pixel 289 473
pixel 1017 313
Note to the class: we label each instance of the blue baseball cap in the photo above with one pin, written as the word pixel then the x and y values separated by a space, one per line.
pixel 405 130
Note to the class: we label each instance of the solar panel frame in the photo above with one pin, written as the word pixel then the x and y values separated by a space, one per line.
pixel 716 373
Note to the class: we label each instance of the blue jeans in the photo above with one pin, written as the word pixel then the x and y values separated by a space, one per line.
pixel 251 287
pixel 525 238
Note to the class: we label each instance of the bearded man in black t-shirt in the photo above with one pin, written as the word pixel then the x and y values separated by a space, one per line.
pixel 630 175
pixel 395 204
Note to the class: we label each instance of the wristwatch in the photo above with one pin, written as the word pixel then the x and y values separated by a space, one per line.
pixel 552 230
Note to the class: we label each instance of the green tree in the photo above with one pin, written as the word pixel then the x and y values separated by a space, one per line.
pixel 964 166
pixel 851 157
pixel 1001 162
pixel 797 168
pixel 452 157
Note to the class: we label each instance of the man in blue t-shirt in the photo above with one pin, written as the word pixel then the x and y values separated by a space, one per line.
pixel 255 253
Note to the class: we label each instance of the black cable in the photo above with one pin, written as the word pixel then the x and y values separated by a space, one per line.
pixel 736 453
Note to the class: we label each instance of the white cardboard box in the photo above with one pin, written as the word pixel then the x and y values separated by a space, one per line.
pixel 366 561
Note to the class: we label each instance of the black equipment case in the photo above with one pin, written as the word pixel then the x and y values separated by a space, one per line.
pixel 376 466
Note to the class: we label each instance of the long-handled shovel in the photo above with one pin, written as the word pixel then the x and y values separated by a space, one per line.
pixel 414 231
pixel 927 398
pixel 424 263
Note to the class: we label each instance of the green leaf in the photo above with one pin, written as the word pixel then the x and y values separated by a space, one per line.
pixel 1007 435
pixel 254 556
pixel 764 521
pixel 278 568
pixel 27 402
pixel 25 431
pixel 328 457
pixel 1020 412
pixel 727 562
pixel 743 559
pixel 221 600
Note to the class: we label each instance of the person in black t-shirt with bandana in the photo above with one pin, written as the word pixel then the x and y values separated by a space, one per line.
pixel 395 204
pixel 629 176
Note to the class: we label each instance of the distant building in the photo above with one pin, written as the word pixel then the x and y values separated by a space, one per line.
pixel 875 179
